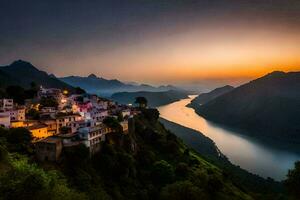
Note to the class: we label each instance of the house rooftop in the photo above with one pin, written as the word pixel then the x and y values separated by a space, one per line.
pixel 68 135
pixel 37 126
pixel 52 140
pixel 67 115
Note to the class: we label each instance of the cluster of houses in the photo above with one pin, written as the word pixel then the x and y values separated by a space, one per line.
pixel 77 119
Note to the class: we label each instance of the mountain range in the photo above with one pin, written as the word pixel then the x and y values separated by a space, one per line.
pixel 23 73
pixel 105 87
pixel 267 107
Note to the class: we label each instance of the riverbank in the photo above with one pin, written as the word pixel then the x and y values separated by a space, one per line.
pixel 257 137
pixel 208 149
pixel 249 154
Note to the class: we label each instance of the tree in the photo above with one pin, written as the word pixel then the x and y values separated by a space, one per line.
pixel 19 140
pixel 182 191
pixel 162 172
pixel 48 102
pixel 141 101
pixel 33 85
pixel 182 169
pixel 79 90
pixel 120 117
pixel 2 94
pixel 151 114
pixel 145 156
pixel 32 91
pixel 27 181
pixel 293 181
pixel 33 114
pixel 112 123
pixel 16 93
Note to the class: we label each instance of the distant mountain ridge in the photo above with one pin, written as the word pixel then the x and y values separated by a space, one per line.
pixel 268 106
pixel 99 85
pixel 23 73
pixel 155 99
pixel 206 97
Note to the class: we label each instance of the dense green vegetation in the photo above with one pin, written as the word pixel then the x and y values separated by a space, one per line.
pixel 141 101
pixel 151 163
pixel 18 93
pixel 113 123
pixel 293 181
pixel 22 180
pixel 207 148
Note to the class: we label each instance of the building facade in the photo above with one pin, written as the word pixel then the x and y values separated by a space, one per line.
pixel 6 104
pixel 49 149
pixel 92 136
pixel 5 120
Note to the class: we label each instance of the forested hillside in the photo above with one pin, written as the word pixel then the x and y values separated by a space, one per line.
pixel 267 107
pixel 151 163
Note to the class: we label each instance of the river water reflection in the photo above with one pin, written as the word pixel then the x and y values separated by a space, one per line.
pixel 246 152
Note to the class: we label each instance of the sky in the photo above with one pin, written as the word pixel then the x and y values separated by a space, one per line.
pixel 153 41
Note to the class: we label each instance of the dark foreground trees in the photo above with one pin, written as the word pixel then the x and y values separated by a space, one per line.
pixel 23 180
pixel 293 181
pixel 141 101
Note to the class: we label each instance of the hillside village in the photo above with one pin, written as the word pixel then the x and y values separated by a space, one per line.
pixel 83 135
pixel 59 120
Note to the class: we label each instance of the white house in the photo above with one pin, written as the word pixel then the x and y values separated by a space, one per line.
pixel 4 119
pixel 6 104
pixel 67 121
pixel 97 115
pixel 17 114
pixel 126 113
pixel 92 136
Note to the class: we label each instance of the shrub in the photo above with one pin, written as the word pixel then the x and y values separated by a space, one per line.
pixel 162 172
pixel 293 181
pixel 182 191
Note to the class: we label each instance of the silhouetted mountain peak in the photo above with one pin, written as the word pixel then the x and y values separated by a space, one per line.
pixel 52 76
pixel 92 76
pixel 228 86
pixel 275 74
pixel 22 73
pixel 21 63
pixel 206 97
pixel 268 106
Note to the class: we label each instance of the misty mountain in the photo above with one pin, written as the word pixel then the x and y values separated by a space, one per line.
pixel 23 73
pixel 206 97
pixel 155 99
pixel 105 87
pixel 268 107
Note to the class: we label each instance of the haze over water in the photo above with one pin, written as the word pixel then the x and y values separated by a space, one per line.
pixel 241 150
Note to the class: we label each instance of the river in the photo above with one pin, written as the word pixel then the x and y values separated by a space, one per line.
pixel 248 153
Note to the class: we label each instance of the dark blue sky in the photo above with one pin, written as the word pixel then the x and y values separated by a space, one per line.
pixel 104 37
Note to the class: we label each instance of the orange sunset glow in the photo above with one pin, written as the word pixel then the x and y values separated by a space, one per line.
pixel 171 43
pixel 150 99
